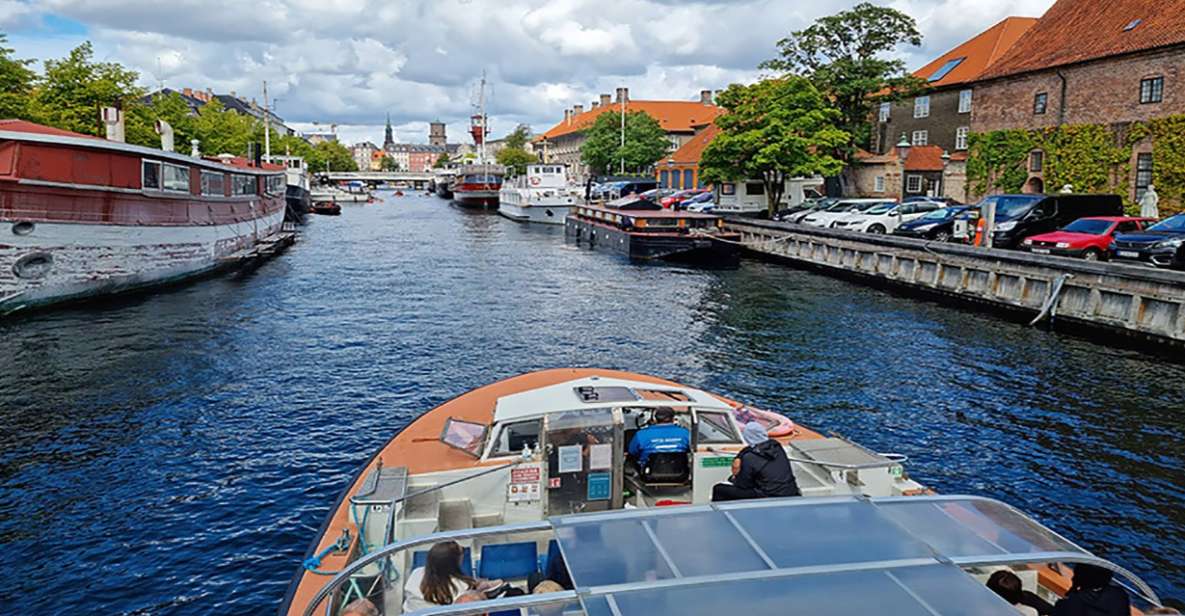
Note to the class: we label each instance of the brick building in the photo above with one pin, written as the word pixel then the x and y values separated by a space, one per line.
pixel 941 115
pixel 561 144
pixel 911 171
pixel 1090 62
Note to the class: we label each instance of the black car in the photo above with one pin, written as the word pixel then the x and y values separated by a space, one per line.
pixel 1022 216
pixel 936 225
pixel 1162 244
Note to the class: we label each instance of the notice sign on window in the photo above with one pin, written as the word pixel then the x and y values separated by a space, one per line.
pixel 524 484
pixel 571 459
pixel 600 457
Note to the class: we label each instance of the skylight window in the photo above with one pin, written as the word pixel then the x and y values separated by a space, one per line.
pixel 946 69
pixel 1133 25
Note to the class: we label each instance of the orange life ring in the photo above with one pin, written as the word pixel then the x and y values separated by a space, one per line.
pixel 776 425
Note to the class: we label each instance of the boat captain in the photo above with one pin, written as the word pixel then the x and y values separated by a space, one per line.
pixel 664 436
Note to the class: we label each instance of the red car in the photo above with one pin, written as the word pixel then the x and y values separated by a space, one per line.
pixel 1087 238
pixel 674 200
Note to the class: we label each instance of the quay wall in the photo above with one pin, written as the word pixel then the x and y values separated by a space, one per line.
pixel 1141 303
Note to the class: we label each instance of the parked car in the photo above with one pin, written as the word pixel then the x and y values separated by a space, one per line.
pixel 792 214
pixel 886 217
pixel 1161 245
pixel 675 200
pixel 824 218
pixel 945 201
pixel 703 202
pixel 937 225
pixel 1022 216
pixel 1088 238
pixel 656 195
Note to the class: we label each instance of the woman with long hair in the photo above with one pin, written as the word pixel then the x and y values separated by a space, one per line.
pixel 440 581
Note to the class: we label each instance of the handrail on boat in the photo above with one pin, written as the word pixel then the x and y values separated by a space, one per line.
pixel 891 459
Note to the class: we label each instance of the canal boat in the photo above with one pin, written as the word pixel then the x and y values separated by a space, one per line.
pixel 297 194
pixel 529 475
pixel 85 216
pixel 478 185
pixel 643 230
pixel 327 208
pixel 442 182
pixel 542 195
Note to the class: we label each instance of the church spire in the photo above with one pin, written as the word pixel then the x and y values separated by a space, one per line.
pixel 388 136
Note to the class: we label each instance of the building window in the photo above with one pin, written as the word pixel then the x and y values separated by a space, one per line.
pixel 664 179
pixel 176 177
pixel 1152 90
pixel 1040 103
pixel 688 178
pixel 878 184
pixel 1143 174
pixel 913 183
pixel 965 101
pixel 886 109
pixel 961 134
pixel 1036 161
pixel 150 175
pixel 213 183
pixel 921 137
pixel 921 107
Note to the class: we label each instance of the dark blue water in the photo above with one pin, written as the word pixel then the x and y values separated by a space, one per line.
pixel 175 453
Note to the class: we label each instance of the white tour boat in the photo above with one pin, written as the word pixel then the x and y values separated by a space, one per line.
pixel 542 195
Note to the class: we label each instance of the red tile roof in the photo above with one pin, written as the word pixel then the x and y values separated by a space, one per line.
pixel 1079 30
pixel 978 53
pixel 24 126
pixel 691 151
pixel 673 116
pixel 920 158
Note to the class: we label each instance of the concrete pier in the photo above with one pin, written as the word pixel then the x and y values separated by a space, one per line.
pixel 1138 302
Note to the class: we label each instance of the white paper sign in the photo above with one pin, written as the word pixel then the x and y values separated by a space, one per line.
pixel 600 457
pixel 571 459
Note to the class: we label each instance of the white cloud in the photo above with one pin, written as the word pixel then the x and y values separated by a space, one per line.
pixel 353 61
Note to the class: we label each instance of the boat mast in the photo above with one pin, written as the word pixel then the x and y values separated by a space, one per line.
pixel 481 111
pixel 267 127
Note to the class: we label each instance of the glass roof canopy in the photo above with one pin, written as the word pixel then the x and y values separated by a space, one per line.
pixel 834 555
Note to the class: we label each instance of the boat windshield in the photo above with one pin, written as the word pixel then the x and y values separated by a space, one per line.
pixel 1089 226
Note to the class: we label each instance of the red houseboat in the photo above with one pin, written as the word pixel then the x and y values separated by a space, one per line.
pixel 82 216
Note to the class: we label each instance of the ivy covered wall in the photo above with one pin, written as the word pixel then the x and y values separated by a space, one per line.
pixel 1090 157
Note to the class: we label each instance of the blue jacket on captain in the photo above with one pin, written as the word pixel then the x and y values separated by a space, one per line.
pixel 662 437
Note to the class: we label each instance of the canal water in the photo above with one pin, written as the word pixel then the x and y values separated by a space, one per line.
pixel 175 453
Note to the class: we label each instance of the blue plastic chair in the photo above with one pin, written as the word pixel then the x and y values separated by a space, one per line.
pixel 505 561
pixel 420 558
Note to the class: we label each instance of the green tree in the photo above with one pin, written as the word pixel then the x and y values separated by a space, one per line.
pixel 846 56
pixel 441 161
pixel 141 121
pixel 774 130
pixel 16 83
pixel 515 160
pixel 388 163
pixel 220 131
pixel 518 138
pixel 330 156
pixel 73 89
pixel 645 143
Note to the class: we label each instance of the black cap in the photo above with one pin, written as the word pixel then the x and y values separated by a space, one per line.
pixel 664 414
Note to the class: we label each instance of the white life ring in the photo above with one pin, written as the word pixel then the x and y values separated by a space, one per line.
pixel 534 181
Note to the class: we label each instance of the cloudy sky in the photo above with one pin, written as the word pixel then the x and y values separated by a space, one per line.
pixel 350 62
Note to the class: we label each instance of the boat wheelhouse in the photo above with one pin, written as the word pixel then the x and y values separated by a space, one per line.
pixel 644 230
pixel 542 194
pixel 85 216
pixel 553 443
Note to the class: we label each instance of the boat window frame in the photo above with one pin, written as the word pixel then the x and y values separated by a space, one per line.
pixel 160 178
pixel 493 443
pixel 481 442
pixel 203 173
pixel 243 180
pixel 188 189
pixel 729 419
pixel 281 184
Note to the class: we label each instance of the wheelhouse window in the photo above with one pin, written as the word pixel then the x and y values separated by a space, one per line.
pixel 921 107
pixel 242 184
pixel 464 435
pixel 150 175
pixel 213 183
pixel 513 437
pixel 176 177
pixel 714 428
pixel 1143 174
pixel 276 185
pixel 1040 103
pixel 1151 90
pixel 965 101
pixel 961 135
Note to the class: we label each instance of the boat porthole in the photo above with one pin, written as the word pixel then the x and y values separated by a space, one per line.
pixel 32 266
pixel 22 228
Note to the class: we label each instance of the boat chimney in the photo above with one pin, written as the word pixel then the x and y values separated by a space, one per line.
pixel 705 97
pixel 166 135
pixel 194 148
pixel 113 120
pixel 623 95
pixel 605 100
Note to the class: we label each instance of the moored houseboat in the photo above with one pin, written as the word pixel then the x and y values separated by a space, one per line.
pixel 644 230
pixel 541 194
pixel 84 216
pixel 530 478
pixel 478 185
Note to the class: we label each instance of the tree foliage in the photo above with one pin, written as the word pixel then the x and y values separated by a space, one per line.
pixel 514 155
pixel 645 143
pixel 16 83
pixel 388 163
pixel 441 161
pixel 774 130
pixel 73 89
pixel 844 55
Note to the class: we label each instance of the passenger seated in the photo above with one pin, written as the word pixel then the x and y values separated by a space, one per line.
pixel 1006 584
pixel 760 470
pixel 439 581
pixel 664 436
pixel 1091 594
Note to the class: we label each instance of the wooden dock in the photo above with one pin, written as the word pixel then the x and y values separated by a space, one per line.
pixel 1141 303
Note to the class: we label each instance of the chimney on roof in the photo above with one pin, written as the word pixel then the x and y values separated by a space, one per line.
pixel 705 97
pixel 594 105
pixel 605 100
pixel 623 95
pixel 577 110
pixel 187 91
pixel 567 116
